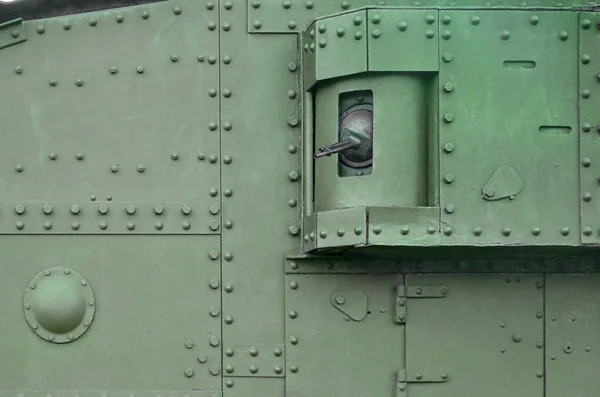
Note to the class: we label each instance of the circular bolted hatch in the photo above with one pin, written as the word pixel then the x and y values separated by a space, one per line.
pixel 59 304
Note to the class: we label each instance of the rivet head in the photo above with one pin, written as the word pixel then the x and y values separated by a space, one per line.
pixel 448 87
pixel 40 30
pixel 448 147
pixel 446 19
pixel 226 26
pixel 449 208
pixel 505 35
pixel 228 288
pixel 536 231
pixel 475 20
pixel 376 33
pixel 19 168
pixel 586 162
pixel 341 32
pixel 587 231
pixel 18 69
pixel 119 18
pixel 429 19
pixel 293 175
pixel 345 5
pixel 79 82
pixel 20 209
pixel 253 369
pixel 565 231
pixel 293 230
pixel 257 24
pixel 448 118
pixel 585 93
pixel 477 231
pixel 75 209
pixel 517 338
pixel 586 24
pixel 293 368
pixel 447 57
pixel 563 35
pixel 431 229
pixel 358 230
pixel 429 34
pixel 227 159
pixel 309 4
pixel 449 178
pixel 506 231
pixel 402 26
pixel 341 232
pixel 212 26
pixel 585 59
pixel 256 4
pixel 534 20
pixel 586 196
pixel 448 231
pixel 130 209
pixel 67 25
pixel 404 230
pixel 140 69
pixel 177 10
pixel 145 15
pixel 174 58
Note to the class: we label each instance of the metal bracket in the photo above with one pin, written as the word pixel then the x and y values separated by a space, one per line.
pixel 403 379
pixel 403 292
pixel 12 32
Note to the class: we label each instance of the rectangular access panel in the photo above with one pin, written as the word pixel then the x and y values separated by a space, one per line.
pixel 483 338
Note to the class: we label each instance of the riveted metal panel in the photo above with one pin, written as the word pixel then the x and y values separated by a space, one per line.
pixel 253 387
pixel 589 128
pixel 509 136
pixel 111 393
pixel 366 354
pixel 344 227
pixel 487 330
pixel 403 40
pixel 119 105
pixel 261 186
pixel 288 16
pixel 153 329
pixel 109 217
pixel 12 32
pixel 254 360
pixel 340 45
pixel 417 226
pixel 572 340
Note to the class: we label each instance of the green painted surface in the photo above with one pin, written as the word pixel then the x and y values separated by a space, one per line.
pixel 165 231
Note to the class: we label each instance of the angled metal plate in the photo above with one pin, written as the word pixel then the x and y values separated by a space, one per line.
pixel 340 46
pixel 403 40
pixel 12 32
pixel 489 316
pixel 589 128
pixel 572 340
pixel 519 112
pixel 397 226
pixel 339 228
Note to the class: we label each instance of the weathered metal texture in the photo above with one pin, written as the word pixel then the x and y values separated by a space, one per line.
pixel 113 108
pixel 290 16
pixel 492 123
pixel 572 341
pixel 328 352
pixel 496 317
pixel 261 185
pixel 589 103
pixel 155 327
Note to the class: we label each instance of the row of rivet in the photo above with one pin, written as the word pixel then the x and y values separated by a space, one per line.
pixel 103 225
pixel 293 315
pixel 168 393
pixel 253 368
pixel 103 209
pixel 93 22
pixel 292 148
pixel 212 158
pixel 586 127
